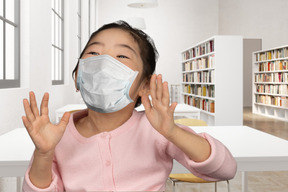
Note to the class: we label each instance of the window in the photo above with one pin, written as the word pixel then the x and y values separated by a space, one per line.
pixel 57 60
pixel 79 27
pixel 9 43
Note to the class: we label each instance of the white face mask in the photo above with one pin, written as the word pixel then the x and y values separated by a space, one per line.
pixel 104 83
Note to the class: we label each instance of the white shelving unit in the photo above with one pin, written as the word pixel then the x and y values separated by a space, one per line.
pixel 270 85
pixel 212 73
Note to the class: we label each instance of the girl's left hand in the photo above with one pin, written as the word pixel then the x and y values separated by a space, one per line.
pixel 160 113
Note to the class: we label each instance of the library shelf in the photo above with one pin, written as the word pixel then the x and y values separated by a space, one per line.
pixel 212 79
pixel 270 86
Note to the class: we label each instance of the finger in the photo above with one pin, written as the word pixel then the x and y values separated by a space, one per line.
pixel 153 87
pixel 44 104
pixel 28 111
pixel 146 102
pixel 172 109
pixel 64 121
pixel 165 96
pixel 33 104
pixel 159 87
pixel 27 124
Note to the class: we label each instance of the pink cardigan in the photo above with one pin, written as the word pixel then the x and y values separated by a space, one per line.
pixel 133 157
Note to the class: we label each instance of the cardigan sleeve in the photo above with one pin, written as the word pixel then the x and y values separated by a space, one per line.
pixel 56 183
pixel 220 165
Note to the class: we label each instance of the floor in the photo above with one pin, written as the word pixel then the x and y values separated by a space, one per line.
pixel 257 181
pixel 272 126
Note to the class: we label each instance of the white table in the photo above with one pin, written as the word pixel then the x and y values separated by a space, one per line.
pixel 253 150
pixel 180 110
pixel 184 110
pixel 16 150
pixel 71 107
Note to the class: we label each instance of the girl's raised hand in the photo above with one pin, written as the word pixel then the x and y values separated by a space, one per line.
pixel 160 113
pixel 43 133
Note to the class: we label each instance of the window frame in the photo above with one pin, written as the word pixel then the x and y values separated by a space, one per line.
pixel 11 83
pixel 55 47
pixel 79 35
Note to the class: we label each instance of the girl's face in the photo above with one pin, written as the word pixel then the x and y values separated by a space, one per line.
pixel 120 45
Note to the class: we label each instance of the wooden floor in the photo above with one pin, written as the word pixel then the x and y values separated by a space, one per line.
pixel 257 181
pixel 269 125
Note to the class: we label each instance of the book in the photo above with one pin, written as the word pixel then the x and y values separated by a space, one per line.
pixel 204 90
pixel 212 107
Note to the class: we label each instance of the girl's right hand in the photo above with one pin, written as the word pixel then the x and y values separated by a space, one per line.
pixel 43 133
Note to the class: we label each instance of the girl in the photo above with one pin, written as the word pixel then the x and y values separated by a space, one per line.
pixel 110 146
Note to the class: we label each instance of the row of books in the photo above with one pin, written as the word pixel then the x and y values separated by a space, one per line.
pixel 273 65
pixel 204 104
pixel 201 90
pixel 273 54
pixel 199 77
pixel 272 77
pixel 201 63
pixel 272 100
pixel 199 50
pixel 272 89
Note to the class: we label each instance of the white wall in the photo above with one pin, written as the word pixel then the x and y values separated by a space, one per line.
pixel 255 19
pixel 177 25
pixel 36 63
pixel 173 25
pixel 266 20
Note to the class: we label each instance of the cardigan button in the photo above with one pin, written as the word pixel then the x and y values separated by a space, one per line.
pixel 108 163
pixel 106 135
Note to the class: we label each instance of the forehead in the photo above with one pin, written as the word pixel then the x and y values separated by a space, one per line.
pixel 116 36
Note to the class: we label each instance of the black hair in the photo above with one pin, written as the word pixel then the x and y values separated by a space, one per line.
pixel 148 51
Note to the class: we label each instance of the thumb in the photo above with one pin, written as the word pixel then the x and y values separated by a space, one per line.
pixel 172 108
pixel 65 120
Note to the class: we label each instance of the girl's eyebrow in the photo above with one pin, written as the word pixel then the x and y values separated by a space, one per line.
pixel 127 46
pixel 117 45
pixel 95 43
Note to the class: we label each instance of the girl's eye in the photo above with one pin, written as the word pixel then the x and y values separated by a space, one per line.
pixel 93 53
pixel 122 57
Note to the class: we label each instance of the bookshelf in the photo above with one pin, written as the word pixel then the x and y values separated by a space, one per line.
pixel 270 86
pixel 212 79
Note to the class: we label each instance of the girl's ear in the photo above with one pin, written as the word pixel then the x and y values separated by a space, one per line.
pixel 75 80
